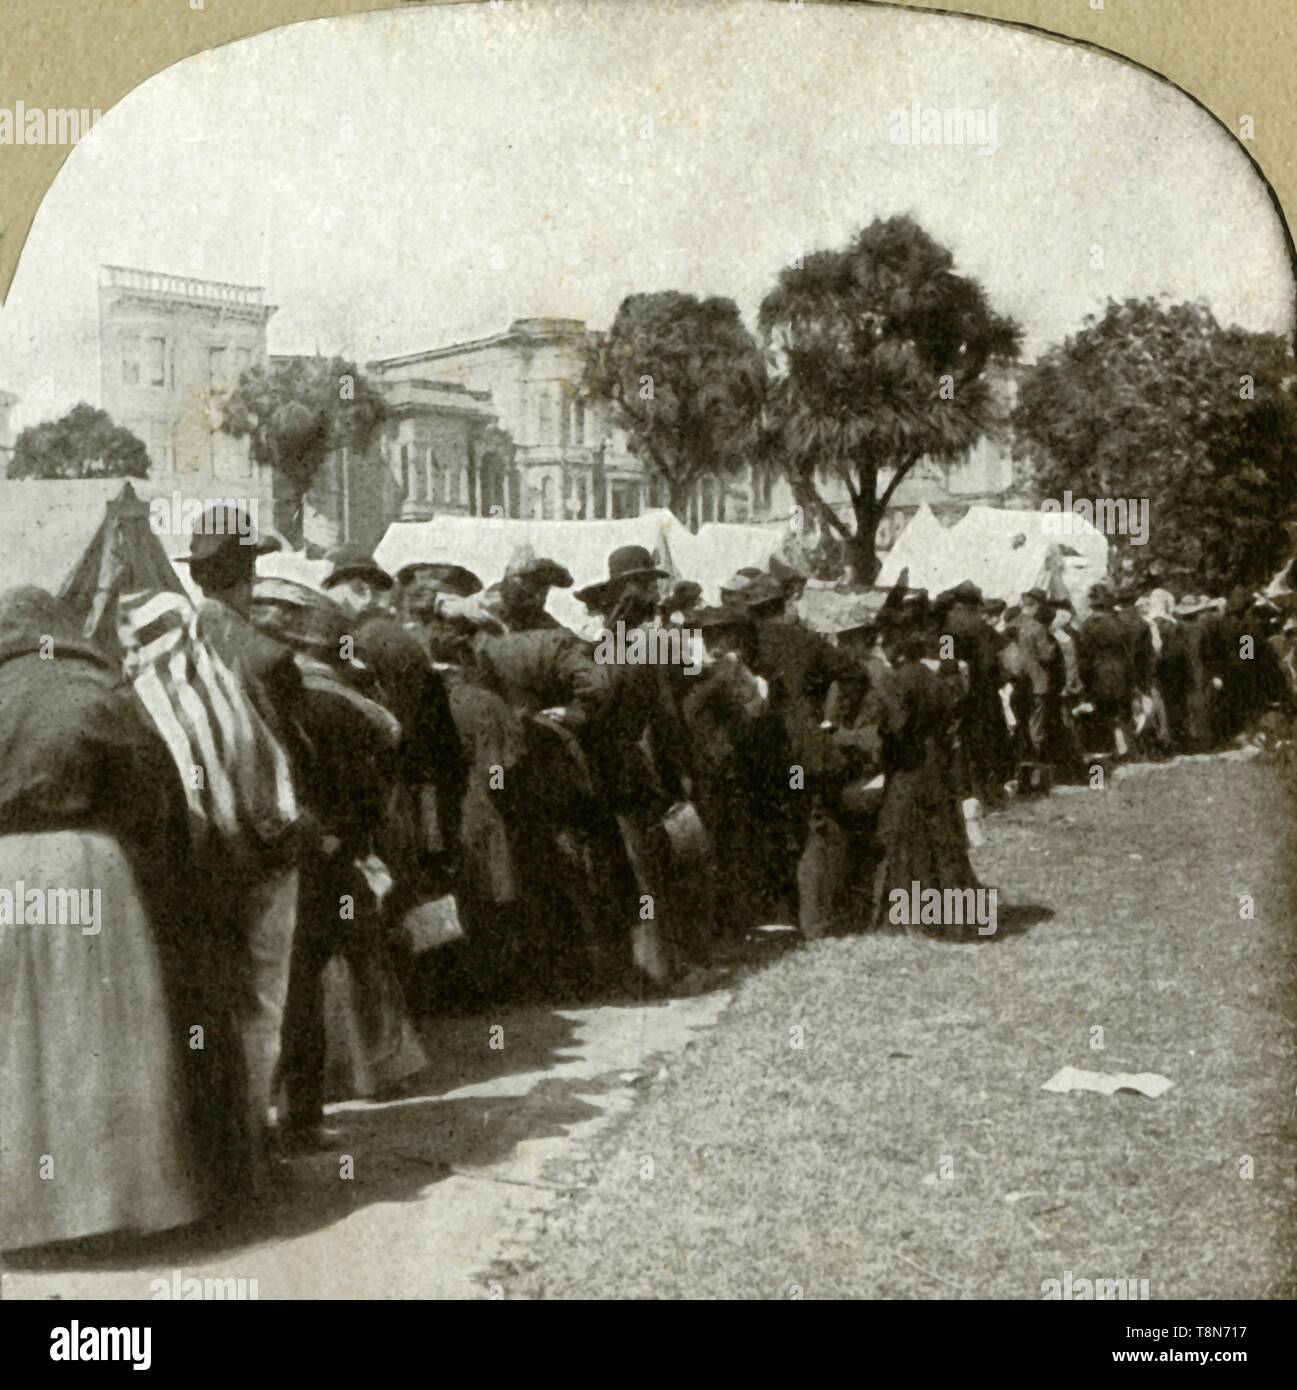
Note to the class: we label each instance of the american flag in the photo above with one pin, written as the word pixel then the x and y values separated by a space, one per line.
pixel 234 770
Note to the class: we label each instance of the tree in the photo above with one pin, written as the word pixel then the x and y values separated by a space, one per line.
pixel 1159 402
pixel 686 381
pixel 295 413
pixel 880 352
pixel 84 443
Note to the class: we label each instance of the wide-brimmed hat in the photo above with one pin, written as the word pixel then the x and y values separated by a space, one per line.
pixel 446 579
pixel 1193 603
pixel 301 617
pixel 1037 596
pixel 625 563
pixel 524 563
pixel 355 562
pixel 738 583
pixel 224 532
pixel 1100 597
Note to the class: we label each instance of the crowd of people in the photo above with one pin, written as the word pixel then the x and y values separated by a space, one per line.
pixel 313 815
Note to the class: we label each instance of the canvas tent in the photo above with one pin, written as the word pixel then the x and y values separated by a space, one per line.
pixel 86 540
pixel 484 544
pixel 1004 552
pixel 721 548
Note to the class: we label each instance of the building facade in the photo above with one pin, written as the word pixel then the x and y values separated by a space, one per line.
pixel 171 348
pixel 565 460
pixel 438 450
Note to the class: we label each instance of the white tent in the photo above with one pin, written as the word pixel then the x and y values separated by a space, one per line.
pixel 720 548
pixel 1004 552
pixel 484 545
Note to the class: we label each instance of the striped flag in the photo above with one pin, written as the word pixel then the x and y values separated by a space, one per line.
pixel 235 773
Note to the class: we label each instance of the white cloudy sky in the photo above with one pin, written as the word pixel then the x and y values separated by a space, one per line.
pixel 400 180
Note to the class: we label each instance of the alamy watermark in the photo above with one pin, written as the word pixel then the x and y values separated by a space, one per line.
pixel 178 515
pixel 1113 516
pixel 944 907
pixel 651 646
pixel 21 906
pixel 21 124
pixel 973 126
pixel 1097 1290
pixel 191 1289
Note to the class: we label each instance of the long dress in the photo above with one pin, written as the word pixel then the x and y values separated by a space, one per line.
pixel 920 830
pixel 95 1126
pixel 90 1089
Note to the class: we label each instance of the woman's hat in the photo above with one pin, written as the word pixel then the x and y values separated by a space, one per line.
pixel 446 579
pixel 625 563
pixel 524 563
pixel 355 562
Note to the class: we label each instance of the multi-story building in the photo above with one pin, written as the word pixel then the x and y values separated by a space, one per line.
pixel 7 402
pixel 171 347
pixel 566 460
pixel 438 450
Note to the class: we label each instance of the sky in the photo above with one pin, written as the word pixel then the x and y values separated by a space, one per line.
pixel 407 179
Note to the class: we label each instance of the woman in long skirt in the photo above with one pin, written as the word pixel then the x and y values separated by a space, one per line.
pixel 94 1129
pixel 921 831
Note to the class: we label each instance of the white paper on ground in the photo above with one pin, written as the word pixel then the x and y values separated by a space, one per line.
pixel 1147 1083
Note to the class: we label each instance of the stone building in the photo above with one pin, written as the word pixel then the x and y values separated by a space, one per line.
pixel 564 461
pixel 171 347
pixel 439 450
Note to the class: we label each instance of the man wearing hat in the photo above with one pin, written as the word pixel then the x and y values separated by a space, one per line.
pixel 356 582
pixel 735 587
pixel 1042 664
pixel 1108 668
pixel 348 791
pixel 433 605
pixel 260 917
pixel 522 591
pixel 800 668
pixel 613 707
pixel 984 736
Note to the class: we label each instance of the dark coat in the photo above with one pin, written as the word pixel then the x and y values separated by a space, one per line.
pixel 631 727
pixel 1107 660
pixel 919 824
pixel 983 732
pixel 801 667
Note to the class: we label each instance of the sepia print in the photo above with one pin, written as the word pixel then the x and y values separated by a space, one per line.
pixel 647 652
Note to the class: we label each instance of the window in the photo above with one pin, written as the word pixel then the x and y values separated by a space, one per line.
pixel 157 361
pixel 405 470
pixel 544 418
pixel 547 499
pixel 580 422
pixel 130 361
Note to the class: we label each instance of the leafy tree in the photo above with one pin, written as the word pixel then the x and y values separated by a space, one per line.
pixel 880 353
pixel 295 413
pixel 686 381
pixel 1159 402
pixel 84 443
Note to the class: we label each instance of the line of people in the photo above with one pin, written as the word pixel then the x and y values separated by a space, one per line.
pixel 280 792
